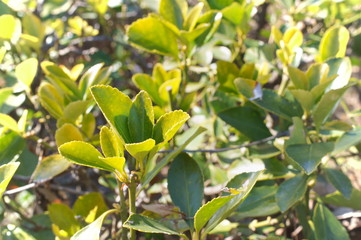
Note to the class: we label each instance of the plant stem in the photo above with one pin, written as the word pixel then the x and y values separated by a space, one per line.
pixel 284 82
pixel 132 189
pixel 123 210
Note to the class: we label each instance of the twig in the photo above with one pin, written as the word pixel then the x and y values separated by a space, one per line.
pixel 231 148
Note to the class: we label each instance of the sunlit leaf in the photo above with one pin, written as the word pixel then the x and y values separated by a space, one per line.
pixel 6 173
pixel 334 43
pixel 26 71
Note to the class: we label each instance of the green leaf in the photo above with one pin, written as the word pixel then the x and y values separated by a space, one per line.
pixel 219 4
pixel 92 231
pixel 49 167
pixel 309 156
pixel 338 199
pixel 347 140
pixel 317 74
pixel 116 164
pixel 244 182
pixel 90 206
pixel 204 213
pixel 260 202
pixel 298 134
pixel 185 185
pixel 152 35
pixel 141 118
pixel 63 219
pixel 147 83
pixel 334 43
pixel 291 191
pixel 51 100
pixel 326 225
pixel 73 110
pixel 67 133
pixel 327 105
pixel 293 38
pixel 151 173
pixel 148 225
pixel 2 55
pixel 83 153
pixel 281 106
pixel 6 173
pixel 8 23
pixel 110 143
pixel 168 125
pixel 115 106
pixel 174 11
pixel 88 125
pixel 340 181
pixel 341 67
pixel 140 150
pixel 193 15
pixel 11 144
pixel 247 120
pixel 298 78
pixel 211 17
pixel 305 98
pixel 8 122
pixel 94 75
pixel 226 74
pixel 4 94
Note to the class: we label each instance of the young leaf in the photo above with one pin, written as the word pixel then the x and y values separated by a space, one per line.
pixel 244 182
pixel 140 150
pixel 8 23
pixel 168 125
pixel 340 181
pixel 141 118
pixel 247 120
pixel 88 78
pixel 115 106
pixel 73 110
pixel 8 122
pixel 4 94
pixel 67 133
pixel 327 225
pixel 92 231
pixel 144 224
pixel 83 153
pixel 185 185
pixel 25 72
pixel 193 15
pixel 152 35
pixel 309 156
pixel 327 105
pixel 90 206
pixel 6 173
pixel 174 11
pixel 334 43
pixel 291 191
pixel 298 78
pixel 49 167
pixel 110 143
pixel 51 100
pixel 147 83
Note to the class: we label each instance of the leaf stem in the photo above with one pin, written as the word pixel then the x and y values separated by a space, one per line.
pixel 123 209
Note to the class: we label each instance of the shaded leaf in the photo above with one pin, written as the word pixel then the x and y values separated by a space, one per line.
pixel 340 181
pixel 326 225
pixel 110 143
pixel 90 206
pixel 49 167
pixel 291 191
pixel 67 133
pixel 51 100
pixel 63 219
pixel 185 185
pixel 339 200
pixel 348 140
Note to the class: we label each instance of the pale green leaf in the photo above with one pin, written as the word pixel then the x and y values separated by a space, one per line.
pixel 6 173
pixel 192 17
pixel 26 71
pixel 8 25
pixel 140 150
pixel 110 143
pixel 334 43
pixel 168 124
pixel 305 98
pixel 152 35
pixel 8 122
pixel 67 133
pixel 298 78
pixel 51 100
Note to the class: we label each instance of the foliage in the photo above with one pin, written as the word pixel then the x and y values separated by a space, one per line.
pixel 129 119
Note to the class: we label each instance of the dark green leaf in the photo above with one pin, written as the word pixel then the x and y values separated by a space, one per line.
pixel 326 225
pixel 340 181
pixel 185 185
pixel 247 120
pixel 174 11
pixel 309 156
pixel 11 144
pixel 338 199
pixel 348 140
pixel 291 191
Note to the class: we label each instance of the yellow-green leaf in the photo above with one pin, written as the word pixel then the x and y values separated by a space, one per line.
pixel 140 150
pixel 51 100
pixel 67 133
pixel 49 167
pixel 8 122
pixel 174 11
pixel 25 72
pixel 110 143
pixel 8 25
pixel 6 173
pixel 334 43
